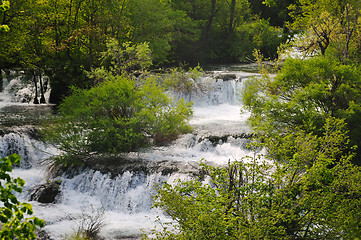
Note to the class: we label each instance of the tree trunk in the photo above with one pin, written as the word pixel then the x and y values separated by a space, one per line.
pixel 231 19
pixel 209 24
pixel 350 27
pixel 1 81
pixel 36 101
pixel 42 98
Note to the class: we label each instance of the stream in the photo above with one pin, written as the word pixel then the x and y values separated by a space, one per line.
pixel 121 194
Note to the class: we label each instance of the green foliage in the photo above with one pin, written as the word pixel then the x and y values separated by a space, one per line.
pixel 229 31
pixel 127 110
pixel 154 22
pixel 65 39
pixel 4 6
pixel 276 12
pixel 90 225
pixel 116 116
pixel 15 224
pixel 249 35
pixel 261 199
pixel 260 35
pixel 129 59
pixel 269 3
pixel 179 80
pixel 303 94
pixel 328 24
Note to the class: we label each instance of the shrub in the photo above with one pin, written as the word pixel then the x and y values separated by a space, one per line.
pixel 89 225
pixel 309 196
pixel 179 80
pixel 117 116
pixel 12 212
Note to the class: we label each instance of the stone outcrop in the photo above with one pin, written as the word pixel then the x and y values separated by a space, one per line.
pixel 46 193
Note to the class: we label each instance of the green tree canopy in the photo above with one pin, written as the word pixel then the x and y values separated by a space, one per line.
pixel 4 6
pixel 327 23
pixel 64 39
pixel 261 199
pixel 304 94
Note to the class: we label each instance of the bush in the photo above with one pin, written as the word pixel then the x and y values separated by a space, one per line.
pixel 12 212
pixel 89 225
pixel 127 58
pixel 304 94
pixel 117 116
pixel 310 196
pixel 179 80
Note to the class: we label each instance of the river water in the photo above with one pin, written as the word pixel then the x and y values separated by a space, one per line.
pixel 124 200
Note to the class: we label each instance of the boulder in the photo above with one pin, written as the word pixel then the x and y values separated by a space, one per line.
pixel 46 193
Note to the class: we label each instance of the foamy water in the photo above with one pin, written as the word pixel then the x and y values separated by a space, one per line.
pixel 124 202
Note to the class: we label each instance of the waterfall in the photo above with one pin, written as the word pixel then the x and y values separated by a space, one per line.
pixel 124 195
pixel 19 88
pixel 215 89
pixel 129 192
pixel 22 142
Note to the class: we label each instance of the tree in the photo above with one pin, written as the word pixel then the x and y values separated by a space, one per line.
pixel 164 27
pixel 304 94
pixel 128 59
pixel 122 113
pixel 74 39
pixel 327 24
pixel 12 52
pixel 64 39
pixel 311 195
pixel 277 11
pixel 12 213
pixel 4 6
pixel 229 31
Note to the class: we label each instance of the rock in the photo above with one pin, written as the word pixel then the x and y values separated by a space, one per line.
pixel 46 193
pixel 43 235
pixel 227 77
pixel 215 140
pixel 118 165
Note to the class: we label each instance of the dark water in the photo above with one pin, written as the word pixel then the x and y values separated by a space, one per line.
pixel 24 115
pixel 249 67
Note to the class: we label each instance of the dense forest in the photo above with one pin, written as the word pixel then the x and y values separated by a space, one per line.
pixel 103 59
pixel 64 39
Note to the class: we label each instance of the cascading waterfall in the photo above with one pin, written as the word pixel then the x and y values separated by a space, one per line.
pixel 127 193
pixel 18 88
pixel 32 152
pixel 220 135
pixel 216 89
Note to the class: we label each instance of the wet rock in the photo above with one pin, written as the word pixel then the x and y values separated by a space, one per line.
pixel 227 77
pixel 215 140
pixel 30 131
pixel 43 235
pixel 46 193
pixel 118 165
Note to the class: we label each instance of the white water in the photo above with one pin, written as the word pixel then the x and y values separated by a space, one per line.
pixel 126 199
pixel 17 89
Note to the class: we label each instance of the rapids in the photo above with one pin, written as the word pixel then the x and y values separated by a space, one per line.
pixel 122 200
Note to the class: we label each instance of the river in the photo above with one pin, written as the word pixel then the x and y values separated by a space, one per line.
pixel 122 200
